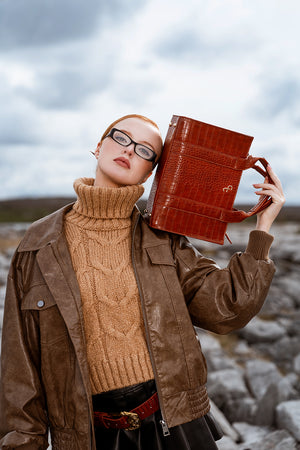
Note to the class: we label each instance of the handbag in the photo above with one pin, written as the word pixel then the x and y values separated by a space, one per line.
pixel 197 179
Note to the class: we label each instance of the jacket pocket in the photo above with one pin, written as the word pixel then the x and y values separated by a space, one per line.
pixel 38 298
pixel 161 254
pixel 51 324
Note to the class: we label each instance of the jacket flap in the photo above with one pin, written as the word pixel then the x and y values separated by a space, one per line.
pixel 161 254
pixel 38 297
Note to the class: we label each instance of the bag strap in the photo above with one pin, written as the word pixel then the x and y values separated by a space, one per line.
pixel 265 200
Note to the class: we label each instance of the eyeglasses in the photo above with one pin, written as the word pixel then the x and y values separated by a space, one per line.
pixel 123 139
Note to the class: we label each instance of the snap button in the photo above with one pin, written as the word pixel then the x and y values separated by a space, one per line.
pixel 40 303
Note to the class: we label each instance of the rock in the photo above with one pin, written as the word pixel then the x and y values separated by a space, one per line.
pixel 294 328
pixel 219 362
pixel 250 434
pixel 296 364
pixel 3 276
pixel 227 429
pixel 259 375
pixel 2 295
pixel 240 409
pixel 259 330
pixel 293 379
pixel 208 342
pixel 266 406
pixel 283 352
pixel 277 301
pixel 291 286
pixel 4 261
pixel 278 440
pixel 286 388
pixel 227 444
pixel 225 385
pixel 242 348
pixel 288 417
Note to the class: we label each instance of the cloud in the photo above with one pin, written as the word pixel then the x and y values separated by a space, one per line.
pixel 16 126
pixel 36 23
pixel 278 96
pixel 68 68
pixel 64 88
pixel 188 45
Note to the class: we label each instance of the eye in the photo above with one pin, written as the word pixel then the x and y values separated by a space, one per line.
pixel 121 138
pixel 145 151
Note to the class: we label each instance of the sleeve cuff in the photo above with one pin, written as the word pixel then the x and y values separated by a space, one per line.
pixel 259 244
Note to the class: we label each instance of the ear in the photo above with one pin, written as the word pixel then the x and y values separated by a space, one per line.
pixel 97 151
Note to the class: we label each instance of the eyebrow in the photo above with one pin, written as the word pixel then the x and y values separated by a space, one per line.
pixel 142 142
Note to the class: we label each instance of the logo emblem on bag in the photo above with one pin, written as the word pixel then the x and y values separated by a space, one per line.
pixel 228 188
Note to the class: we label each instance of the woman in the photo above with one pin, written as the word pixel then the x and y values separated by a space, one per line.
pixel 98 343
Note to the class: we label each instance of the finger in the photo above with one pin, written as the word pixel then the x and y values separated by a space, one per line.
pixel 273 175
pixel 276 198
pixel 265 186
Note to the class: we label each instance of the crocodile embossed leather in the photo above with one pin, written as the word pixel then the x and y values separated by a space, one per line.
pixel 197 179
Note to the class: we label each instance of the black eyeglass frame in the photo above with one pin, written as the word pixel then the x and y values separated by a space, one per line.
pixel 154 155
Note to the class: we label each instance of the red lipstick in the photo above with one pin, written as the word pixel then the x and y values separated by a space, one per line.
pixel 124 162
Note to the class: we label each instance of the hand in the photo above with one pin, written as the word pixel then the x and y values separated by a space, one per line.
pixel 266 217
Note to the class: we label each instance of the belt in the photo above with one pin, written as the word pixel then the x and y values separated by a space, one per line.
pixel 127 420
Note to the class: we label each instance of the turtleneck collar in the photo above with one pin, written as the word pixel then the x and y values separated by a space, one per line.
pixel 105 202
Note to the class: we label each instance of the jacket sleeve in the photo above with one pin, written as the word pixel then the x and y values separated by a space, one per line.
pixel 23 418
pixel 222 300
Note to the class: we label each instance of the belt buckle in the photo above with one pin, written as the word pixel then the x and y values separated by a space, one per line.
pixel 133 420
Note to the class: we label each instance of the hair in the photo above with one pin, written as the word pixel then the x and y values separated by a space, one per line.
pixel 128 116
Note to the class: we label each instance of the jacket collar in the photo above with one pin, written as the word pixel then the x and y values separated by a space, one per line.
pixel 47 230
pixel 44 231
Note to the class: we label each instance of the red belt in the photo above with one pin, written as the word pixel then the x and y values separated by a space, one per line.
pixel 128 420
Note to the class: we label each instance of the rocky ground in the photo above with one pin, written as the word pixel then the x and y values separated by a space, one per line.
pixel 254 374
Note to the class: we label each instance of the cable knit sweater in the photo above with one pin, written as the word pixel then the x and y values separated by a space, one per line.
pixel 98 231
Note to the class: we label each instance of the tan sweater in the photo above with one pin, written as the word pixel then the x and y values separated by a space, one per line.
pixel 98 231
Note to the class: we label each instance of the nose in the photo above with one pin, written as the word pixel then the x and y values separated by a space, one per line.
pixel 129 150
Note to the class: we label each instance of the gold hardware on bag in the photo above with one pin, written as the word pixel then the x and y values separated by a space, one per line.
pixel 133 419
pixel 228 188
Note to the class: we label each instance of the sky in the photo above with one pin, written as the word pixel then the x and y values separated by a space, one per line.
pixel 68 68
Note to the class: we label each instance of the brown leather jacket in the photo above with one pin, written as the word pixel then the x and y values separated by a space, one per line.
pixel 45 380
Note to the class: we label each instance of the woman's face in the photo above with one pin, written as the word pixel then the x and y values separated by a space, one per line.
pixel 120 166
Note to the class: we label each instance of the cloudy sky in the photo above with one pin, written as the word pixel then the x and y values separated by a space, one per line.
pixel 70 67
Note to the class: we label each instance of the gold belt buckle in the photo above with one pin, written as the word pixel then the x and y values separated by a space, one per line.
pixel 133 419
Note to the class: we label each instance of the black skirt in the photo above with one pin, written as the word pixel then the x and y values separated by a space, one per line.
pixel 200 434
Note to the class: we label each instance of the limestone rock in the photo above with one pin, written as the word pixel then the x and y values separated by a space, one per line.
pixel 227 429
pixel 241 409
pixel 278 440
pixel 250 434
pixel 288 417
pixel 297 364
pixel 226 443
pixel 259 330
pixel 259 375
pixel 225 385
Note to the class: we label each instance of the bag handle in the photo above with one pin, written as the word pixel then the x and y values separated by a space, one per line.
pixel 239 215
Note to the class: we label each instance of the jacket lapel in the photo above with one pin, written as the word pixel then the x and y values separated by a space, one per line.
pixel 55 263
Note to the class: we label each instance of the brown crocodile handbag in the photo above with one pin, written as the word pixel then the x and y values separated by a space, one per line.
pixel 197 179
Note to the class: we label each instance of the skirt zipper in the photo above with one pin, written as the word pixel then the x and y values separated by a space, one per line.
pixel 165 429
